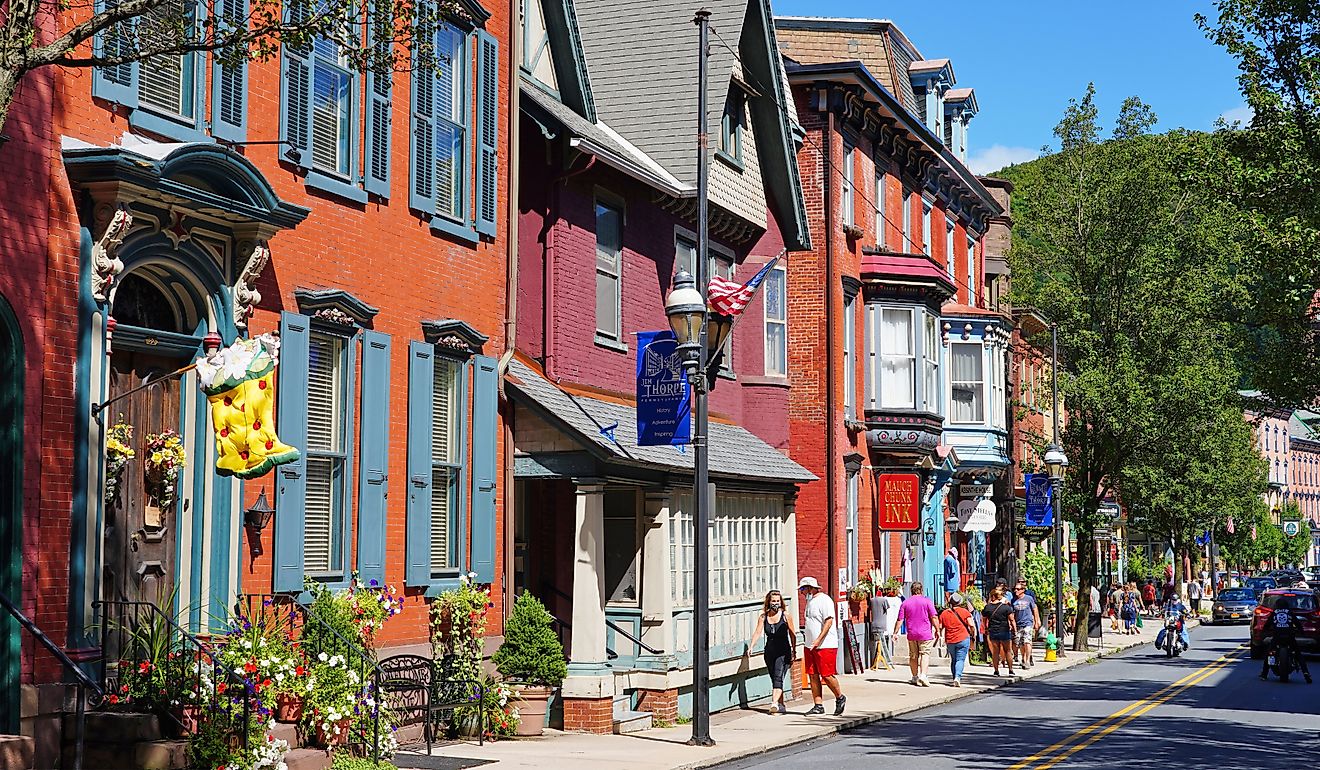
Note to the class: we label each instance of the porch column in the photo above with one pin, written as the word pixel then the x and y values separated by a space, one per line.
pixel 657 595
pixel 788 585
pixel 589 689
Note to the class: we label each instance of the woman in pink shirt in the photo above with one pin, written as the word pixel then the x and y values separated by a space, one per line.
pixel 919 615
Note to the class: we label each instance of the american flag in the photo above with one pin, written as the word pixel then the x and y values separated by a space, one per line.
pixel 730 298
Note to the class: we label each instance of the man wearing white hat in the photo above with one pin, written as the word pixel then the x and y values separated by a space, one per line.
pixel 821 639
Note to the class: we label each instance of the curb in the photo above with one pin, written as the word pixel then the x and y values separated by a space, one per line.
pixel 838 727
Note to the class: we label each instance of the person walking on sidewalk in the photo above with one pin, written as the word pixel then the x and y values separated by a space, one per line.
pixel 999 629
pixel 952 579
pixel 1026 618
pixel 780 647
pixel 957 630
pixel 918 614
pixel 1194 595
pixel 822 646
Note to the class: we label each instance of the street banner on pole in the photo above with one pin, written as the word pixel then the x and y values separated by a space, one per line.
pixel 900 502
pixel 1040 499
pixel 663 404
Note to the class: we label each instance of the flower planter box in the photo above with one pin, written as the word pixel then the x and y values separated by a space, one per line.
pixel 288 708
pixel 337 736
pixel 532 704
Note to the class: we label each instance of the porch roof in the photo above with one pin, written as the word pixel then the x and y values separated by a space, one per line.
pixel 734 451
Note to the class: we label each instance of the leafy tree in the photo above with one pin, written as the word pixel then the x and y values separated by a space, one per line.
pixel 531 652
pixel 1270 171
pixel 1038 571
pixel 380 35
pixel 1115 243
pixel 1293 550
pixel 1138 564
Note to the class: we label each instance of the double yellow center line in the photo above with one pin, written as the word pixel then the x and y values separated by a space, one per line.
pixel 1058 752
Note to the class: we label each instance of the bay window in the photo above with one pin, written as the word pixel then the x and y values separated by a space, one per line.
pixel 998 387
pixel 897 359
pixel 930 354
pixel 966 382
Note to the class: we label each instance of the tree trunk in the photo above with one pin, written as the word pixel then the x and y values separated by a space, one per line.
pixel 8 85
pixel 1086 567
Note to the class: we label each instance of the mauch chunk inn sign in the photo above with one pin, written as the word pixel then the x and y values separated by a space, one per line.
pixel 900 502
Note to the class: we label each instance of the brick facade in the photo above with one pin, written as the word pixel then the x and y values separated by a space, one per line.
pixel 663 704
pixel 589 715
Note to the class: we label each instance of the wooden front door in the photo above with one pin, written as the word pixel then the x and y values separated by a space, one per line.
pixel 140 536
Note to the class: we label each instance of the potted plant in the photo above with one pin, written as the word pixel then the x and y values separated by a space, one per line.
pixel 531 658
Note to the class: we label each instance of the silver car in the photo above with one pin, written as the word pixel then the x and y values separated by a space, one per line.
pixel 1233 605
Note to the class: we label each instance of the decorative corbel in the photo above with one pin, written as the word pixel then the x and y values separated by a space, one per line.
pixel 246 295
pixel 105 264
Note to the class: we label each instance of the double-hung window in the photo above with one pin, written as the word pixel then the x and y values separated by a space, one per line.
pixel 325 520
pixel 168 84
pixel 776 323
pixel 450 121
pixel 966 382
pixel 880 209
pixel 998 386
pixel 333 95
pixel 973 280
pixel 731 125
pixel 897 359
pixel 850 357
pixel 926 234
pixel 909 246
pixel 447 417
pixel 846 188
pixel 685 258
pixel 930 354
pixel 948 250
pixel 609 269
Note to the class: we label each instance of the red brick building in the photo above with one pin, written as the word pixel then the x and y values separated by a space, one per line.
pixel 883 307
pixel 606 216
pixel 362 218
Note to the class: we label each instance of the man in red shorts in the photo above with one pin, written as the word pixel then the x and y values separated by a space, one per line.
pixel 822 645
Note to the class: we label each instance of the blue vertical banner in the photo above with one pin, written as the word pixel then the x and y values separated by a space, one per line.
pixel 1040 500
pixel 664 406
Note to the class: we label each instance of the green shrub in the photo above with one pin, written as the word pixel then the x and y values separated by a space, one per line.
pixel 531 652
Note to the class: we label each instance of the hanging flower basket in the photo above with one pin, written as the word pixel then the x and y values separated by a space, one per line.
pixel 165 458
pixel 118 451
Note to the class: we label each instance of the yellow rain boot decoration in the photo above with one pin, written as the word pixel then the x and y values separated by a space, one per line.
pixel 239 383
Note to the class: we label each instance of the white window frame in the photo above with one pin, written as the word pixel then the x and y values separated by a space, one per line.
pixel 190 67
pixel 846 200
pixel 607 276
pixel 880 208
pixel 980 384
pixel 908 244
pixel 926 236
pixel 455 120
pixel 949 229
pixel 451 467
pixel 338 455
pixel 346 137
pixel 930 361
pixel 998 384
pixel 746 550
pixel 778 273
pixel 972 283
pixel 883 355
pixel 850 357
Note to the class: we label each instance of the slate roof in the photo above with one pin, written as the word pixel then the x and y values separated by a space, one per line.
pixel 734 451
pixel 643 62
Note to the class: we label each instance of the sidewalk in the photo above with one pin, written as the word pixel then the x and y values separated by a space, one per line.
pixel 872 697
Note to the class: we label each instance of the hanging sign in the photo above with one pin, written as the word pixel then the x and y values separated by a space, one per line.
pixel 239 383
pixel 1291 528
pixel 663 406
pixel 900 502
pixel 1040 499
pixel 976 515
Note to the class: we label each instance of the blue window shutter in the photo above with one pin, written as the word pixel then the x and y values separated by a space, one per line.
pixel 488 113
pixel 421 160
pixel 421 383
pixel 117 83
pixel 377 151
pixel 374 451
pixel 485 435
pixel 229 82
pixel 291 478
pixel 296 91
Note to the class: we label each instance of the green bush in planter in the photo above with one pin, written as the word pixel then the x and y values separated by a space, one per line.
pixel 531 652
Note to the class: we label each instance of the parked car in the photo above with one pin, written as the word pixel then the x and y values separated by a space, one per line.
pixel 1260 584
pixel 1312 573
pixel 1233 605
pixel 1315 585
pixel 1286 577
pixel 1306 609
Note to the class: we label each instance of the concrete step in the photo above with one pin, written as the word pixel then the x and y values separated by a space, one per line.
pixel 622 704
pixel 632 722
pixel 161 755
pixel 109 727
pixel 307 759
pixel 17 751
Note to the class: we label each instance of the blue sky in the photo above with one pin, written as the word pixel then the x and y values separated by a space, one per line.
pixel 1027 58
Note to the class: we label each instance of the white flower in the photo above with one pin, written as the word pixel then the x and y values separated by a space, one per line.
pixel 322 657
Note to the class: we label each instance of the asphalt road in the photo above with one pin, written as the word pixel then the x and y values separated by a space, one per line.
pixel 1206 709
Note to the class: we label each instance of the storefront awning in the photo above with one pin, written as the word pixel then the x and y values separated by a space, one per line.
pixel 608 430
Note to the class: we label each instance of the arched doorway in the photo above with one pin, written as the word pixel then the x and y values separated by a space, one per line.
pixel 11 510
pixel 159 322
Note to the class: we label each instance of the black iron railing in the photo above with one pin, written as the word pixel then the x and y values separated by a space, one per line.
pixel 149 662
pixel 81 680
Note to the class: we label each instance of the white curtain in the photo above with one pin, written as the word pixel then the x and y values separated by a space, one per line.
pixel 897 376
pixel 967 394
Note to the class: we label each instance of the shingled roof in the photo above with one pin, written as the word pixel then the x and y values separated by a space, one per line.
pixel 734 451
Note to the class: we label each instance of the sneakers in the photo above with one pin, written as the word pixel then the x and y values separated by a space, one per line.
pixel 915 682
pixel 957 683
pixel 782 708
pixel 923 681
pixel 816 709
pixel 839 703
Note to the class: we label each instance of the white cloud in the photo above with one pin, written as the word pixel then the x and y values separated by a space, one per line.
pixel 997 156
pixel 1240 114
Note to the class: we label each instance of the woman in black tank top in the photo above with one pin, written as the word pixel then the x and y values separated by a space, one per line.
pixel 780 646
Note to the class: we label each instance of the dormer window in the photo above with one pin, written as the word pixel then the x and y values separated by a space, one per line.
pixel 731 126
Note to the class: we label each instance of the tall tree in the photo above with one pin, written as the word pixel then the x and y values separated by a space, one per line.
pixel 378 35
pixel 1271 172
pixel 1112 244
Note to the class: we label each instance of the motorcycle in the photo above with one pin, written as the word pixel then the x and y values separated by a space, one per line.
pixel 1170 639
pixel 1281 662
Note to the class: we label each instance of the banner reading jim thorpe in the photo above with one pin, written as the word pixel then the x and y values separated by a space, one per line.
pixel 663 406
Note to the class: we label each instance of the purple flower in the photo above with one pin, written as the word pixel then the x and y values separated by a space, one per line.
pixel 374 583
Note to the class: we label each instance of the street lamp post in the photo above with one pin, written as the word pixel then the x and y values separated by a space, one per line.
pixel 1056 461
